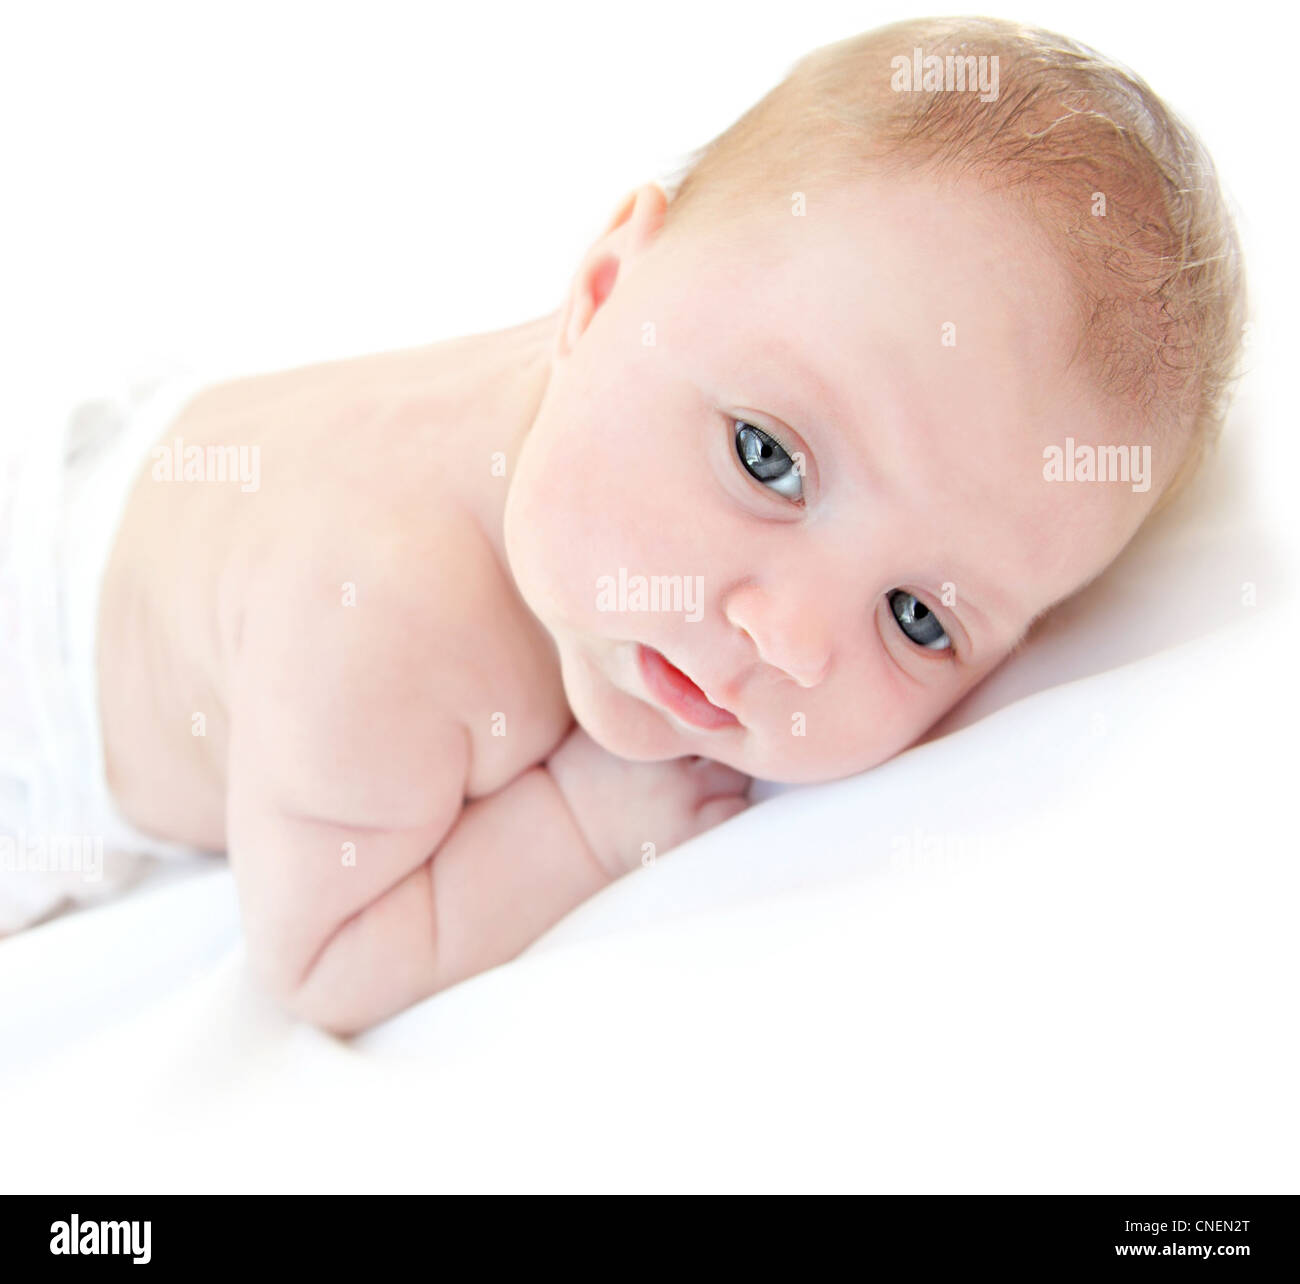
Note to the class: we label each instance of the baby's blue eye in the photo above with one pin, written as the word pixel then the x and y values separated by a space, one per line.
pixel 766 460
pixel 918 622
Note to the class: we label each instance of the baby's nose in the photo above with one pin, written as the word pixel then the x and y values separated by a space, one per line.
pixel 788 631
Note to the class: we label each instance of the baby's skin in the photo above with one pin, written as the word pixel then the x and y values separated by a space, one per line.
pixel 431 721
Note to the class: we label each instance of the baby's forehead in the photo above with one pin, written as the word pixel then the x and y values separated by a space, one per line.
pixel 914 206
pixel 920 253
pixel 924 299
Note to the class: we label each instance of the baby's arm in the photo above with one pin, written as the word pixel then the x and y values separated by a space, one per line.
pixel 346 946
pixel 346 773
pixel 365 882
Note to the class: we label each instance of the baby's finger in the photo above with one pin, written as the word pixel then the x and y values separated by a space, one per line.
pixel 716 810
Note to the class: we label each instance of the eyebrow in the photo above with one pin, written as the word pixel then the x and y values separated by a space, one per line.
pixel 786 358
pixel 997 627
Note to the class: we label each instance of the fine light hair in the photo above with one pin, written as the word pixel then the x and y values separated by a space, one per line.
pixel 1160 304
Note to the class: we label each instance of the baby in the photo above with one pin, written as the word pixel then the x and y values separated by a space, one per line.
pixel 901 360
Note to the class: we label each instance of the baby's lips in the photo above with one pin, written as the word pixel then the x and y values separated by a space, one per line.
pixel 670 687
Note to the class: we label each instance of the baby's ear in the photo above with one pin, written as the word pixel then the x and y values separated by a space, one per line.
pixel 622 213
pixel 635 225
pixel 640 209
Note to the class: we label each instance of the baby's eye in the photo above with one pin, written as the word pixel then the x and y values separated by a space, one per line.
pixel 918 622
pixel 766 460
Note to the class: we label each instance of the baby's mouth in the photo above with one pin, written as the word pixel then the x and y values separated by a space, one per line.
pixel 672 689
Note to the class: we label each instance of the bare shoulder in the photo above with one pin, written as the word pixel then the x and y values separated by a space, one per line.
pixel 374 612
pixel 370 663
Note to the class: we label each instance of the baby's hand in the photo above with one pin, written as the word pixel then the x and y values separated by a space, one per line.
pixel 629 811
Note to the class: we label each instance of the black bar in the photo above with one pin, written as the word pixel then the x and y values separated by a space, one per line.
pixel 1039 1235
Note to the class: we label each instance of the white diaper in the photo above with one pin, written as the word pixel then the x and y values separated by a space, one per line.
pixel 64 479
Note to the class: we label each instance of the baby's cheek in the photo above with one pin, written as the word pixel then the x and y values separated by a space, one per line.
pixel 850 727
pixel 566 541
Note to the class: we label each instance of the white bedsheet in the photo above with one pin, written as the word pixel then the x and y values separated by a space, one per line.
pixel 1052 949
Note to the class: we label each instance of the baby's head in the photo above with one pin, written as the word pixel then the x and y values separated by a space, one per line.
pixel 819 428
